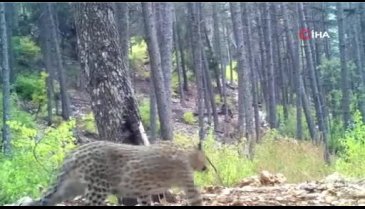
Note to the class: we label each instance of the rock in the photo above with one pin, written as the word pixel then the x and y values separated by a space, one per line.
pixel 24 201
pixel 333 178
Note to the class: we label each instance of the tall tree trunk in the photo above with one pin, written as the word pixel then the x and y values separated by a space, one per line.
pixel 153 113
pixel 359 63
pixel 122 16
pixel 246 20
pixel 6 145
pixel 10 14
pixel 244 93
pixel 113 101
pixel 182 55
pixel 164 110
pixel 209 89
pixel 314 86
pixel 294 56
pixel 230 60
pixel 66 112
pixel 179 64
pixel 263 54
pixel 195 24
pixel 46 52
pixel 213 59
pixel 218 52
pixel 271 75
pixel 166 45
pixel 344 72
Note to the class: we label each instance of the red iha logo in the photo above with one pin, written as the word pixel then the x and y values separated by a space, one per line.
pixel 307 34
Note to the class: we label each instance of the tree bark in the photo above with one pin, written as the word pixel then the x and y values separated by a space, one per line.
pixel 294 56
pixel 195 24
pixel 6 145
pixel 271 75
pixel 166 45
pixel 113 101
pixel 244 93
pixel 218 52
pixel 66 112
pixel 344 72
pixel 46 52
pixel 246 20
pixel 122 16
pixel 164 110
pixel 179 65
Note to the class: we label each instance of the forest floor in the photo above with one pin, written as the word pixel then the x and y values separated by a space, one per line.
pixel 267 189
pixel 263 189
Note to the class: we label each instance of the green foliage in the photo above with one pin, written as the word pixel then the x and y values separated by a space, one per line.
pixel 298 160
pixel 88 123
pixel 175 82
pixel 32 87
pixel 144 110
pixel 189 118
pixel 231 166
pixel 351 161
pixel 289 127
pixel 16 113
pixel 234 74
pixel 139 55
pixel 331 78
pixel 25 50
pixel 36 157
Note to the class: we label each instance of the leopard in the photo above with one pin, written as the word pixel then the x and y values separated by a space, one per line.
pixel 101 168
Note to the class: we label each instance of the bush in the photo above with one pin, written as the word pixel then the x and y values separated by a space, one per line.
pixel 234 70
pixel 25 49
pixel 189 118
pixel 36 157
pixel 139 55
pixel 231 166
pixel 289 127
pixel 144 110
pixel 351 159
pixel 298 161
pixel 16 113
pixel 32 87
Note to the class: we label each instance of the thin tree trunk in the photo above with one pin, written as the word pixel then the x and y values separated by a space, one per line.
pixel 249 73
pixel 153 113
pixel 271 75
pixel 213 60
pixel 164 110
pixel 122 16
pixel 210 90
pixel 218 51
pixel 194 11
pixel 294 56
pixel 6 145
pixel 10 13
pixel 314 86
pixel 46 52
pixel 344 72
pixel 183 66
pixel 66 112
pixel 178 64
pixel 165 46
pixel 359 63
pixel 244 92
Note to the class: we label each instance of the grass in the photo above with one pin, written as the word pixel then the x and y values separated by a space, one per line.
pixel 297 161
